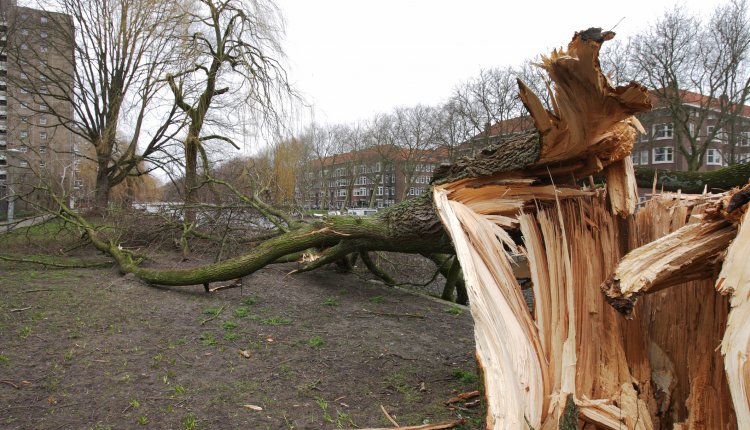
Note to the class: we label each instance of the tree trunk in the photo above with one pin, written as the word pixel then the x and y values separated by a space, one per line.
pixel 575 361
pixel 102 186
pixel 191 174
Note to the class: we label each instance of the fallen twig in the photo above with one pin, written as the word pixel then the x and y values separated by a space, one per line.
pixel 21 309
pixel 393 314
pixel 224 287
pixel 2 381
pixel 62 265
pixel 462 396
pixel 387 415
pixel 221 309
pixel 38 290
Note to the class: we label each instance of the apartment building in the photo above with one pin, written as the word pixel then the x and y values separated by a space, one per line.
pixel 36 152
pixel 660 146
pixel 376 177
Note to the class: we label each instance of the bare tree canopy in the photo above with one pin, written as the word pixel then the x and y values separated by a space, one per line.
pixel 103 84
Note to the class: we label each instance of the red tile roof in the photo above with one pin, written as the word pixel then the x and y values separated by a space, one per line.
pixel 690 97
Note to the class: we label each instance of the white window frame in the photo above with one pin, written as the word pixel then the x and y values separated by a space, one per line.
pixel 668 155
pixel 43 135
pixel 42 120
pixel 43 34
pixel 713 157
pixel 43 20
pixel 662 131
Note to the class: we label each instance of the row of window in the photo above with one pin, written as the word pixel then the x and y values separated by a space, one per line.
pixel 666 131
pixel 364 192
pixel 42 48
pixel 665 154
pixel 42 19
pixel 24 134
pixel 41 107
pixel 43 34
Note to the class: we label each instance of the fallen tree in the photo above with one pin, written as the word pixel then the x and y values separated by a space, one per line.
pixel 574 361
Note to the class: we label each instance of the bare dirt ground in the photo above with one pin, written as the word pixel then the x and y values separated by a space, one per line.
pixel 90 349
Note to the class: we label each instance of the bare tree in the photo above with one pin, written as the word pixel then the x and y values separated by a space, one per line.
pixel 414 135
pixel 679 55
pixel 489 98
pixel 230 47
pixel 109 55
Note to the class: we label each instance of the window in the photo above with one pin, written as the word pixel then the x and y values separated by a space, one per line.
pixel 744 138
pixel 42 120
pixel 741 158
pixel 713 157
pixel 636 157
pixel 380 192
pixel 43 34
pixel 23 148
pixel 719 135
pixel 639 157
pixel 24 32
pixel 662 131
pixel 24 164
pixel 24 46
pixel 44 20
pixel 42 164
pixel 42 107
pixel 24 76
pixel 23 134
pixel 24 90
pixel 25 119
pixel 342 193
pixel 43 49
pixel 42 149
pixel 43 135
pixel 664 154
pixel 25 105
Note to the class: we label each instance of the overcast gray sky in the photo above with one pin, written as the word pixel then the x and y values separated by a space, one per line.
pixel 355 58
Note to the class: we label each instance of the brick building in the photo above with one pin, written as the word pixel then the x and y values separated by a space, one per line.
pixel 659 147
pixel 34 148
pixel 375 177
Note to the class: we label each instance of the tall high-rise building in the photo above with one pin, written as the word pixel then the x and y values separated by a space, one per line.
pixel 36 69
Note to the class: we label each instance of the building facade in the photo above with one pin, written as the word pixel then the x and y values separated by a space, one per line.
pixel 727 139
pixel 36 152
pixel 377 177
